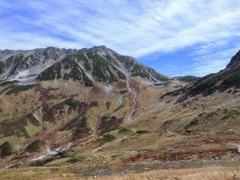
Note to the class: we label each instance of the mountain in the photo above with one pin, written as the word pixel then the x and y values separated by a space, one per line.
pixel 235 61
pixel 27 65
pixel 79 94
pixel 216 82
pixel 94 111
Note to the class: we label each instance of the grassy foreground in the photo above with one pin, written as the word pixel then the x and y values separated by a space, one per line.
pixel 208 173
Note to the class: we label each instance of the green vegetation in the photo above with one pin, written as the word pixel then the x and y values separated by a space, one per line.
pixel 19 88
pixel 231 112
pixel 51 73
pixel 120 74
pixel 101 69
pixel 139 71
pixel 123 130
pixel 233 79
pixel 82 125
pixel 194 121
pixel 8 82
pixel 87 81
pixel 206 86
pixel 108 137
pixel 71 102
pixel 160 77
pixel 23 133
pixel 79 157
pixel 34 146
pixel 6 149
pixel 2 66
pixel 81 57
pixel 209 114
pixel 188 78
pixel 143 131
pixel 13 120
pixel 111 128
pixel 76 73
pixel 95 103
pixel 65 154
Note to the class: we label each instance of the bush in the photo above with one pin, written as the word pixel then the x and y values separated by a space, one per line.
pixel 231 112
pixel 71 102
pixel 82 125
pixel 18 88
pixel 143 131
pixel 95 103
pixel 79 157
pixel 123 130
pixel 34 146
pixel 108 137
pixel 65 154
pixel 194 121
pixel 6 148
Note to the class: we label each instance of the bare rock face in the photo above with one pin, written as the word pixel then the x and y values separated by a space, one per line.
pixel 98 61
pixel 234 61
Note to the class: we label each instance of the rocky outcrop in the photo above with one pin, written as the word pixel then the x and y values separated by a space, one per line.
pixel 234 61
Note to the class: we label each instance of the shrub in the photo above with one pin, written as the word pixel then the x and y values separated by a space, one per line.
pixel 194 121
pixel 142 131
pixel 79 157
pixel 65 154
pixel 18 88
pixel 95 103
pixel 70 102
pixel 8 82
pixel 51 73
pixel 34 146
pixel 231 112
pixel 108 137
pixel 123 130
pixel 6 148
pixel 82 125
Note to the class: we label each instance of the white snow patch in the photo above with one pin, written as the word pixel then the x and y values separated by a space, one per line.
pixel 64 147
pixel 120 99
pixel 22 74
pixel 109 89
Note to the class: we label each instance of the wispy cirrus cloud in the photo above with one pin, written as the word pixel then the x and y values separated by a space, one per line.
pixel 136 28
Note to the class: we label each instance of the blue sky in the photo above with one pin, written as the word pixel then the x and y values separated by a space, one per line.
pixel 183 37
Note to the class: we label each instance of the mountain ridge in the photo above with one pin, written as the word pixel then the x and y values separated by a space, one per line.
pixel 29 63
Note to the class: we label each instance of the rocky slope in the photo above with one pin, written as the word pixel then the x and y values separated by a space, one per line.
pixel 28 64
pixel 95 110
pixel 51 99
pixel 235 61
pixel 226 79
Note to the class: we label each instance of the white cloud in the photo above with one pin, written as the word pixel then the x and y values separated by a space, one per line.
pixel 135 28
pixel 212 62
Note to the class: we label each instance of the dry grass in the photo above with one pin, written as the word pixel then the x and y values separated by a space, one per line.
pixel 210 173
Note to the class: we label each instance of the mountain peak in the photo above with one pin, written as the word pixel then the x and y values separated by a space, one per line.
pixel 234 61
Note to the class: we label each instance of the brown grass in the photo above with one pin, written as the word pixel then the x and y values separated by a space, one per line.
pixel 209 173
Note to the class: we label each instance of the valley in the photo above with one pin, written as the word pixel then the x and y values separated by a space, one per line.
pixel 92 112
